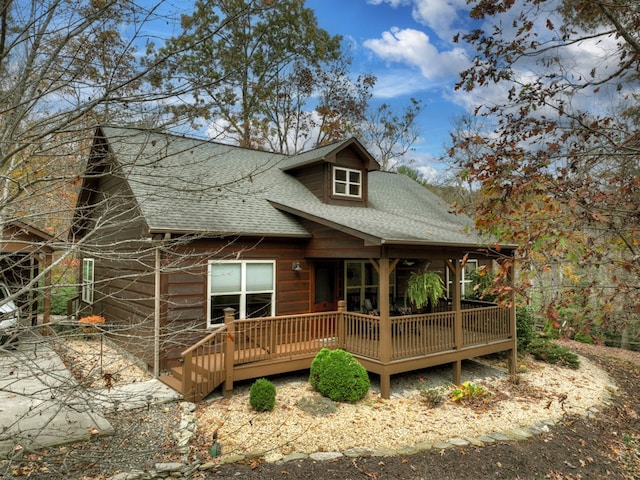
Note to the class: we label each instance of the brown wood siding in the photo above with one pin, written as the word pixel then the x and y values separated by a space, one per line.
pixel 313 178
pixel 318 178
pixel 329 243
pixel 185 293
pixel 349 158
pixel 124 295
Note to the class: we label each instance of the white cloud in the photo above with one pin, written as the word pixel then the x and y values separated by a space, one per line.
pixel 394 83
pixel 441 16
pixel 429 174
pixel 414 48
pixel 393 3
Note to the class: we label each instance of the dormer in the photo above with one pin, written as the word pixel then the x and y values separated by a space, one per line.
pixel 337 173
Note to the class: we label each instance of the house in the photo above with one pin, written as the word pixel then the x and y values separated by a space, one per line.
pixel 308 250
pixel 25 252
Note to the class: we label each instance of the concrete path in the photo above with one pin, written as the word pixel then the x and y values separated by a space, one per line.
pixel 42 405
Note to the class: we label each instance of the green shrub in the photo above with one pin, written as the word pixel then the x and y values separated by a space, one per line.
pixel 432 396
pixel 552 329
pixel 583 338
pixel 339 376
pixel 318 366
pixel 550 352
pixel 262 396
pixel 468 392
pixel 524 327
pixel 59 298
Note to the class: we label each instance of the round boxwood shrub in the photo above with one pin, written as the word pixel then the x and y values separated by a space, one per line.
pixel 318 366
pixel 339 376
pixel 262 396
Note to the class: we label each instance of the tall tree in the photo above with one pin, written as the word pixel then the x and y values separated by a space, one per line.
pixel 560 173
pixel 390 134
pixel 249 66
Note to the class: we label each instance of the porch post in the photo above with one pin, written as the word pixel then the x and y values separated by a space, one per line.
pixel 48 260
pixel 386 345
pixel 229 349
pixel 512 358
pixel 342 307
pixel 156 316
pixel 456 270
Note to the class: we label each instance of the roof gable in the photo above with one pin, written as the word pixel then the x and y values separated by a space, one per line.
pixel 328 153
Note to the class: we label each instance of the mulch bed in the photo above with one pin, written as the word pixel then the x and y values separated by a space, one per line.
pixel 605 447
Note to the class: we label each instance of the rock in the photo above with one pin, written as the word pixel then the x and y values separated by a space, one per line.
pixel 442 445
pixel 169 467
pixel 458 442
pixel 324 456
pixel 357 452
pixel 295 456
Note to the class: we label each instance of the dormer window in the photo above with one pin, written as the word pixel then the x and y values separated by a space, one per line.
pixel 347 182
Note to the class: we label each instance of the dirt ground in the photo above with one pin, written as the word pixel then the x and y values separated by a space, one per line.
pixel 605 447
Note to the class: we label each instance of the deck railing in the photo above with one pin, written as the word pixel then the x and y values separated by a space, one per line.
pixel 273 337
pixel 203 364
pixel 361 334
pixel 480 325
pixel 250 340
pixel 414 335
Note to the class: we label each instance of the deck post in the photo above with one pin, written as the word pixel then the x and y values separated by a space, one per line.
pixel 187 376
pixel 229 349
pixel 512 357
pixel 456 269
pixel 386 344
pixel 342 306
pixel 457 372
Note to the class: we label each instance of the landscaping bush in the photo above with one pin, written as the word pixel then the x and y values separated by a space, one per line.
pixel 59 298
pixel 432 396
pixel 524 327
pixel 262 396
pixel 339 376
pixel 468 392
pixel 550 352
pixel 318 366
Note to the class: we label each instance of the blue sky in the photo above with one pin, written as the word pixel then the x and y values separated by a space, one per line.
pixel 408 45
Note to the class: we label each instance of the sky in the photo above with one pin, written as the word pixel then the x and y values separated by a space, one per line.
pixel 408 45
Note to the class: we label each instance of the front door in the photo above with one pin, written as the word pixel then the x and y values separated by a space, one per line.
pixel 324 287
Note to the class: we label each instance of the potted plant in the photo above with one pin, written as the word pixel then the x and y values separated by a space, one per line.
pixel 424 288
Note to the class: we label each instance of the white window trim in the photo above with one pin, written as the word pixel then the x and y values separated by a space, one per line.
pixel 88 283
pixel 464 281
pixel 243 287
pixel 347 183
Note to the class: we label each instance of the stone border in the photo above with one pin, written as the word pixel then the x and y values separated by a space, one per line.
pixel 188 425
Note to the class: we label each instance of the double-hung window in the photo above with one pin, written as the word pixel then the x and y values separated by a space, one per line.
pixel 87 280
pixel 247 286
pixel 347 182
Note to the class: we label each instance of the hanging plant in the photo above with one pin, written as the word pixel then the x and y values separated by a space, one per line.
pixel 425 288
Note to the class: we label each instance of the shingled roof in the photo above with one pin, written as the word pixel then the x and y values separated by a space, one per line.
pixel 186 185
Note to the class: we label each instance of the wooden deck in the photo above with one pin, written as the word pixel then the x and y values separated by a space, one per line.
pixel 257 347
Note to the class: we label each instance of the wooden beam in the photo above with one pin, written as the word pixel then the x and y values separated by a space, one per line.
pixel 386 345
